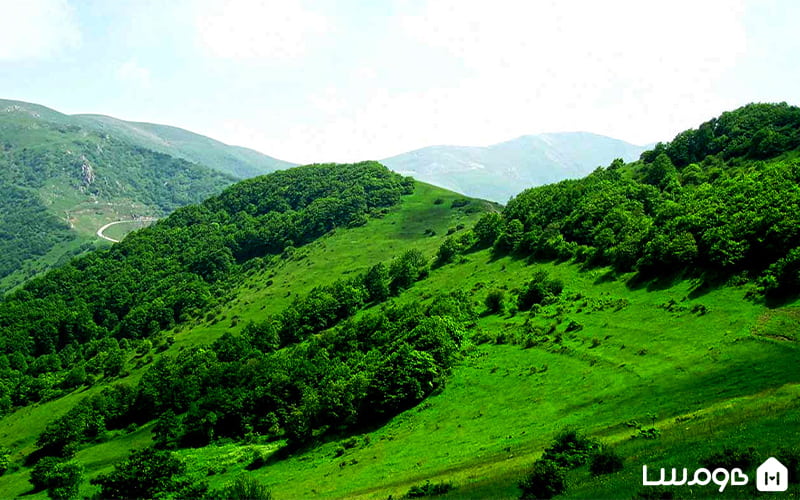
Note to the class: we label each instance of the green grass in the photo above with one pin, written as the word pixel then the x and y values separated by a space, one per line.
pixel 727 377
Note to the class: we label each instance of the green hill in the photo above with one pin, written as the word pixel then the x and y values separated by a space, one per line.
pixel 232 160
pixel 62 177
pixel 336 331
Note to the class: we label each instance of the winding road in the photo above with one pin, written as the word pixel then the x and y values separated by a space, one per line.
pixel 112 240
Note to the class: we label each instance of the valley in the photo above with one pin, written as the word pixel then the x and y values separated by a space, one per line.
pixel 342 331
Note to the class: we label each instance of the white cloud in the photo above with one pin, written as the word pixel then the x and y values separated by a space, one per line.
pixel 258 29
pixel 639 71
pixel 133 73
pixel 37 29
pixel 587 64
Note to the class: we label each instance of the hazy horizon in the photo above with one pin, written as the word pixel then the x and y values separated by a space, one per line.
pixel 343 81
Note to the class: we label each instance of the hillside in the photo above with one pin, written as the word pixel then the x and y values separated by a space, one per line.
pixel 63 177
pixel 499 171
pixel 339 331
pixel 232 160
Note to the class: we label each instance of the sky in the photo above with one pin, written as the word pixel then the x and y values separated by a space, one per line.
pixel 348 80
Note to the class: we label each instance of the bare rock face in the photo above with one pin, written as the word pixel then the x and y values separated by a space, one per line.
pixel 87 172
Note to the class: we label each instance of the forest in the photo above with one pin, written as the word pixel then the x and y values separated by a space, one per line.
pixel 722 201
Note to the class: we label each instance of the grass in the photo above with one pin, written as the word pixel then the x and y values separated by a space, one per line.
pixel 727 376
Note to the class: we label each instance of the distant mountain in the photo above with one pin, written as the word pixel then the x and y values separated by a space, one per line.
pixel 234 160
pixel 500 171
pixel 62 177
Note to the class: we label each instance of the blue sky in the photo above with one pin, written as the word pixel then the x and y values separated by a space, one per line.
pixel 349 80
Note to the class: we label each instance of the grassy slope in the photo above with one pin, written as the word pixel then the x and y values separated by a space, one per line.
pixel 351 250
pixel 727 377
pixel 707 380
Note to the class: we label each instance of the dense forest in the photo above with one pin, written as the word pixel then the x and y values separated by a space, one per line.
pixel 169 272
pixel 723 200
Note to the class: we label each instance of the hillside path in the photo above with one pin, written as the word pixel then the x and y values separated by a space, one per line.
pixel 112 240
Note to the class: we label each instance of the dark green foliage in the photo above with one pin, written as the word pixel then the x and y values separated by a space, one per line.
pixel 487 229
pixel 429 489
pixel 5 459
pixel 167 431
pixel 447 251
pixel 605 461
pixel 352 372
pixel 541 289
pixel 657 493
pixel 571 449
pixel 790 458
pixel 511 237
pixel 168 273
pixel 705 202
pixel 545 480
pixel 87 420
pixel 60 478
pixel 376 283
pixel 730 458
pixel 243 487
pixel 495 301
pixel 148 473
pixel 756 131
pixel 406 269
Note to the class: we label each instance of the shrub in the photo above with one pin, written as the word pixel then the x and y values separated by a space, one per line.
pixel 243 487
pixel 60 478
pixel 429 489
pixel 495 301
pixel 5 459
pixel 540 290
pixel 571 449
pixel 791 459
pixel 730 458
pixel 605 461
pixel 546 480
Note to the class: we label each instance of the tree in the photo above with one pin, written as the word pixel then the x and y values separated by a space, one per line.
pixel 495 301
pixel 545 480
pixel 511 237
pixel 146 473
pixel 487 229
pixel 605 461
pixel 447 251
pixel 409 267
pixel 376 282
pixel 60 478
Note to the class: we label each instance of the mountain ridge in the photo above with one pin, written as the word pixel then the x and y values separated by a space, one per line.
pixel 525 161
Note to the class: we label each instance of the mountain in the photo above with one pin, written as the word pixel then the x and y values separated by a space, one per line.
pixel 342 331
pixel 499 171
pixel 233 160
pixel 61 180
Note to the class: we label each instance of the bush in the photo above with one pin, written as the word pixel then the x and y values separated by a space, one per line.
pixel 730 458
pixel 495 301
pixel 243 487
pixel 605 461
pixel 571 449
pixel 791 459
pixel 546 480
pixel 60 478
pixel 5 459
pixel 540 290
pixel 429 489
